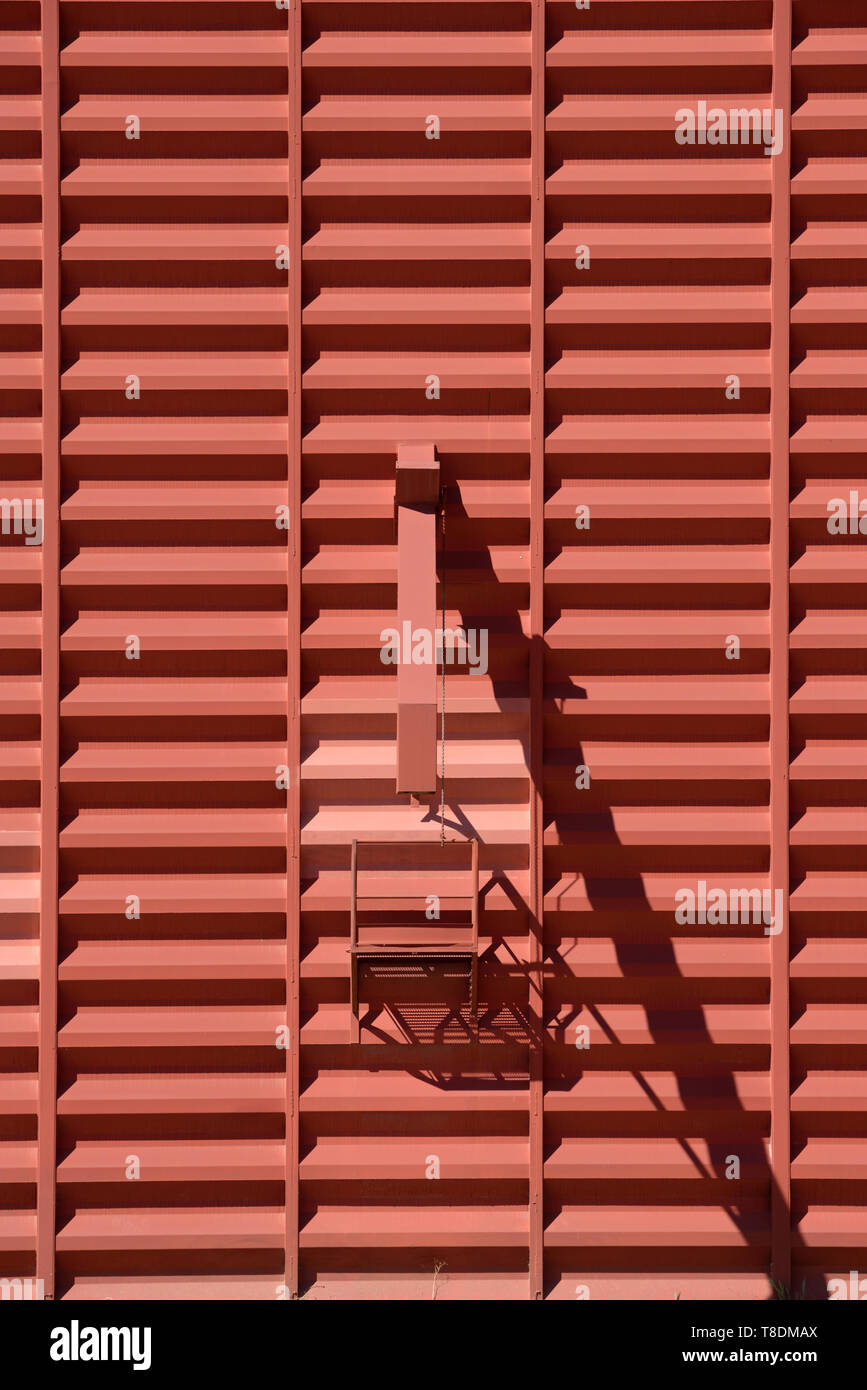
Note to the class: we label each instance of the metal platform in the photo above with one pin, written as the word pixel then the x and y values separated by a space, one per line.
pixel 409 949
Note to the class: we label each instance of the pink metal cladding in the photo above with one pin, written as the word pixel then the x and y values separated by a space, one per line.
pixel 650 357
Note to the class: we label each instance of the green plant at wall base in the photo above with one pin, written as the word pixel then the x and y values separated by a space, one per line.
pixel 784 1294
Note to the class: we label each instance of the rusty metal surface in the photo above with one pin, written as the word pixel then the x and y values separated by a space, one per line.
pixel 251 259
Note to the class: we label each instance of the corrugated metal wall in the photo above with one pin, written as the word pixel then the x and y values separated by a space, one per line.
pixel 249 252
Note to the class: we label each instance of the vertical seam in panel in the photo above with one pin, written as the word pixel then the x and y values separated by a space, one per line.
pixel 50 672
pixel 537 563
pixel 293 665
pixel 779 649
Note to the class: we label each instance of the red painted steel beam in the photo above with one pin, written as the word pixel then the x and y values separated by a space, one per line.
pixel 416 495
pixel 537 658
pixel 50 723
pixel 417 476
pixel 781 1244
pixel 293 668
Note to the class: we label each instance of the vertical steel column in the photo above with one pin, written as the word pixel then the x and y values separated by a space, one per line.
pixel 537 666
pixel 779 648
pixel 416 505
pixel 50 720
pixel 293 668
